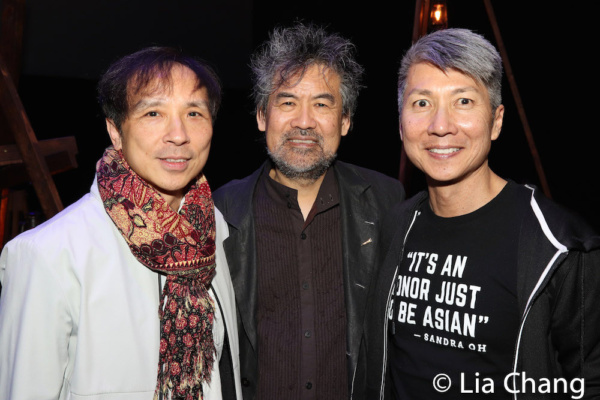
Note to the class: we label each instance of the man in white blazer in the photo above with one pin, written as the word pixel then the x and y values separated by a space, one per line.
pixel 126 294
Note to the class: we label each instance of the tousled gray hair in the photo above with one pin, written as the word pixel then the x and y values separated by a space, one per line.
pixel 291 51
pixel 461 50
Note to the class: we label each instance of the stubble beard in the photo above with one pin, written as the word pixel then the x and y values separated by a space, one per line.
pixel 303 170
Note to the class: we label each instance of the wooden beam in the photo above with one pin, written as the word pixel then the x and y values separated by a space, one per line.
pixel 517 97
pixel 421 20
pixel 27 144
pixel 10 155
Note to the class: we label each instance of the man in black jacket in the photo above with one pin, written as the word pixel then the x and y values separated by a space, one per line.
pixel 485 288
pixel 303 227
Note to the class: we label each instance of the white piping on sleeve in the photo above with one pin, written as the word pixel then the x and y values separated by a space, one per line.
pixel 559 246
pixel 560 249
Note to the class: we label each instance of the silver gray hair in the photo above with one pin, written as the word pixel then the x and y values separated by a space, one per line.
pixel 461 50
pixel 291 51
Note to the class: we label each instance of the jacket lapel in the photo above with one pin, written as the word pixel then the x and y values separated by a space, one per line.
pixel 359 237
pixel 240 249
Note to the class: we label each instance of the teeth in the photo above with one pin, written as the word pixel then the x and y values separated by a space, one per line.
pixel 174 160
pixel 302 141
pixel 444 151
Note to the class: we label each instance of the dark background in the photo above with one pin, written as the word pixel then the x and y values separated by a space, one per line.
pixel 69 43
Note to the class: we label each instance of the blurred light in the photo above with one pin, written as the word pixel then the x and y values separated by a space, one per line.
pixel 438 15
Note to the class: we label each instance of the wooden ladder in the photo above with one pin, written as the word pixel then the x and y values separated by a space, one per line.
pixel 22 157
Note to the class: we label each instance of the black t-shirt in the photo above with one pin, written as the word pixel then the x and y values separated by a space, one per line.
pixel 454 310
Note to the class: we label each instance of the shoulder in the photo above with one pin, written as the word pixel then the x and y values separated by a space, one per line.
pixel 45 257
pixel 368 175
pixel 380 184
pixel 65 244
pixel 236 190
pixel 401 213
pixel 566 226
pixel 80 217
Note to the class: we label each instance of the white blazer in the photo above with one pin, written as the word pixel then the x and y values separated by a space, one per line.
pixel 79 313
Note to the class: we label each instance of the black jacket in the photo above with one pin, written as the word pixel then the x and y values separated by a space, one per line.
pixel 365 196
pixel 558 290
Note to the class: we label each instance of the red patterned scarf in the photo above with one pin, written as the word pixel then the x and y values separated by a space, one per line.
pixel 181 246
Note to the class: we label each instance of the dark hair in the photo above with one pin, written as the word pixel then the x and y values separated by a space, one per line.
pixel 459 49
pixel 133 73
pixel 293 50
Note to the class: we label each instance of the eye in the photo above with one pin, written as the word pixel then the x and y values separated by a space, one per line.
pixel 321 105
pixel 421 103
pixel 286 105
pixel 465 102
pixel 194 114
pixel 152 114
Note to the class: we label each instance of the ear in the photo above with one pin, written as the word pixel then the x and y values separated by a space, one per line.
pixel 115 135
pixel 497 122
pixel 345 124
pixel 400 129
pixel 261 120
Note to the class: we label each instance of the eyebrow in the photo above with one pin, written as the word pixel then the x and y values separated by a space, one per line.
pixel 146 103
pixel 427 92
pixel 326 96
pixel 465 89
pixel 198 103
pixel 155 102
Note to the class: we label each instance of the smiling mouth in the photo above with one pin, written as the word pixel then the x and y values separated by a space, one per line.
pixel 303 141
pixel 175 160
pixel 444 151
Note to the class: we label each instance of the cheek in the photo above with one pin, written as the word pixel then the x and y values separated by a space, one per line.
pixel 470 124
pixel 272 139
pixel 206 144
pixel 206 138
pixel 410 131
pixel 475 123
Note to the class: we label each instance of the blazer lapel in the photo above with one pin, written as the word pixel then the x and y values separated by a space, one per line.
pixel 240 250
pixel 359 238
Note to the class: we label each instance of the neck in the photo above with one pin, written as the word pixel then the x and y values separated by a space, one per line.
pixel 172 199
pixel 466 196
pixel 308 189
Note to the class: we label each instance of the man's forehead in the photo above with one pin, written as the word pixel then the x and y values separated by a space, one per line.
pixel 320 75
pixel 158 82
pixel 423 72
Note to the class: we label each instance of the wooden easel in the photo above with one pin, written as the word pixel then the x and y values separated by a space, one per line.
pixel 420 25
pixel 22 157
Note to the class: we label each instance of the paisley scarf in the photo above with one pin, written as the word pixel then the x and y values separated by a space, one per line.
pixel 180 246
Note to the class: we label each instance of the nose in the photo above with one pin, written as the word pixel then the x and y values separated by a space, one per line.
pixel 177 132
pixel 304 118
pixel 441 123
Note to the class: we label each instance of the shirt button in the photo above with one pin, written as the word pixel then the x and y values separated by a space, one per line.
pixel 305 285
pixel 289 205
pixel 303 236
pixel 307 334
pixel 308 385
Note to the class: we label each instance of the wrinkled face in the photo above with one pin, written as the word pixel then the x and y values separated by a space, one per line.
pixel 304 124
pixel 166 136
pixel 447 124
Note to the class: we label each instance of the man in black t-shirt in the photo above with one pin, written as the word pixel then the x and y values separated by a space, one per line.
pixel 486 288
